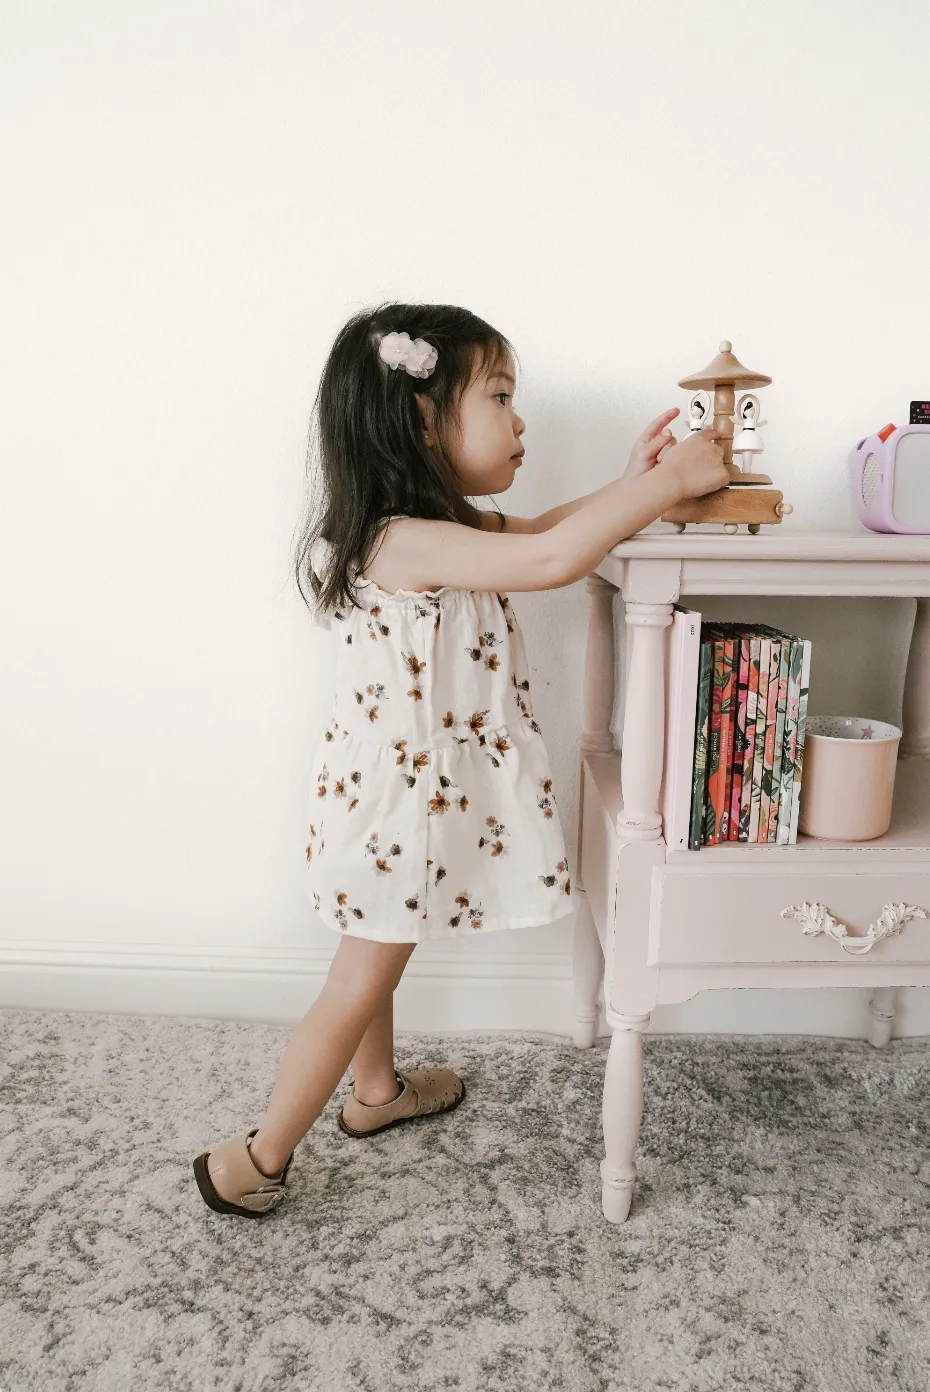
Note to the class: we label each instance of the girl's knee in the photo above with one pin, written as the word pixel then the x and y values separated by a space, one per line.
pixel 363 963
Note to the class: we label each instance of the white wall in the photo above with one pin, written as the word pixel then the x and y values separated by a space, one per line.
pixel 196 196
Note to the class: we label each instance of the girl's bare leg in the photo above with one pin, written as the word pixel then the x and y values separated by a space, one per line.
pixel 373 1060
pixel 362 975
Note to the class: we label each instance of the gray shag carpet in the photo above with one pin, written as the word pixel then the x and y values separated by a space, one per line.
pixel 778 1238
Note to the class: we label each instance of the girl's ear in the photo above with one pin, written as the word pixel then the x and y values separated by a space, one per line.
pixel 425 407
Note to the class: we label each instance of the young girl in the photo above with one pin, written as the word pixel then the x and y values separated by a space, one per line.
pixel 433 813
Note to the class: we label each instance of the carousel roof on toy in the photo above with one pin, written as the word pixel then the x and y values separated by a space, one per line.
pixel 725 371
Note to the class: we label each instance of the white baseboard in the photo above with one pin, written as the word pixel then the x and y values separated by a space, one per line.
pixel 441 991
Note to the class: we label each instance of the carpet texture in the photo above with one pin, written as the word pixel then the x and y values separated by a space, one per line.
pixel 778 1239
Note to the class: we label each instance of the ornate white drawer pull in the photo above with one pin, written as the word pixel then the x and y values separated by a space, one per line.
pixel 816 918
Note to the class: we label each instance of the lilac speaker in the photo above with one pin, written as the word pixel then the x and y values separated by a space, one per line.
pixel 890 476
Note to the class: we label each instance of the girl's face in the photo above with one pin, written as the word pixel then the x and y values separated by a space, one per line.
pixel 486 452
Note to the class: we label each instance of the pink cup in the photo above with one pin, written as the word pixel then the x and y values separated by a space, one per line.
pixel 847 777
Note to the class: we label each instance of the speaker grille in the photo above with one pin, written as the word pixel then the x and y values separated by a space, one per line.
pixel 869 480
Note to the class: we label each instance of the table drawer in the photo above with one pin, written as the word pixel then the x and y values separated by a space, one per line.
pixel 751 914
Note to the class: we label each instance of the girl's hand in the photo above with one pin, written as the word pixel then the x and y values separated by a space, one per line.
pixel 697 465
pixel 649 447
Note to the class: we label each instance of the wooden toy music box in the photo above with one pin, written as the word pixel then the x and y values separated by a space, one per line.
pixel 745 498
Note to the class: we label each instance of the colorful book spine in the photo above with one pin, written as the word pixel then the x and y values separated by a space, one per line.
pixel 699 776
pixel 768 745
pixel 791 737
pixel 775 805
pixel 799 751
pixel 711 795
pixel 752 699
pixel 739 742
pixel 765 652
pixel 727 733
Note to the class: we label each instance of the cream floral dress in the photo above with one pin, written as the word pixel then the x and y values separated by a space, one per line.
pixel 432 808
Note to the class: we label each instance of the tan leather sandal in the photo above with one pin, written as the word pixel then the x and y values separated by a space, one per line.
pixel 231 1182
pixel 424 1092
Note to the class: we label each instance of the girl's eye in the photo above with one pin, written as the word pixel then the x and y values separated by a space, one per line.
pixel 503 394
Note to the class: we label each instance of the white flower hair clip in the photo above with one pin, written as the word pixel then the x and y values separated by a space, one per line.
pixel 417 356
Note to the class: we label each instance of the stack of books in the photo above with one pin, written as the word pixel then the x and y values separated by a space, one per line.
pixel 735 727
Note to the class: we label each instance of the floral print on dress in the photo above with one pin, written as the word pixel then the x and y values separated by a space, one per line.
pixel 440 802
pixel 491 659
pixel 494 842
pixel 374 623
pixel 474 912
pixel 413 763
pixel 371 699
pixel 432 808
pixel 560 878
pixel 416 669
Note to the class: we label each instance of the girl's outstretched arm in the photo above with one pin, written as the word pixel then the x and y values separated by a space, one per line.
pixel 420 553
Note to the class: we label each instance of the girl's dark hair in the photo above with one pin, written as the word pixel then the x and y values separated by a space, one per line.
pixel 366 426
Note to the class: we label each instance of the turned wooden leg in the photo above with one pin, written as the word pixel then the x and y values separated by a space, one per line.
pixel 596 738
pixel 915 744
pixel 622 1113
pixel 644 723
pixel 598 688
pixel 915 716
pixel 588 969
pixel 881 1011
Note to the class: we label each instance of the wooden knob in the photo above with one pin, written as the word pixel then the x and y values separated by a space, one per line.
pixel 783 509
pixel 726 346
